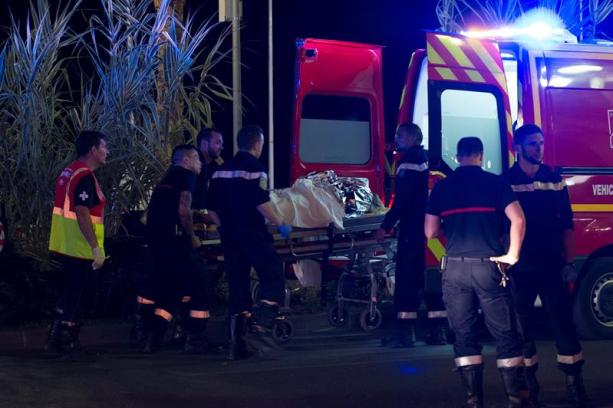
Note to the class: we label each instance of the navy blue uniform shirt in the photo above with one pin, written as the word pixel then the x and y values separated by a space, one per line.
pixel 471 204
pixel 236 190
pixel 411 194
pixel 546 205
pixel 163 211
pixel 203 183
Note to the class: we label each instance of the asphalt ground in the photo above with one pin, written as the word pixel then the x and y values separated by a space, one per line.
pixel 320 367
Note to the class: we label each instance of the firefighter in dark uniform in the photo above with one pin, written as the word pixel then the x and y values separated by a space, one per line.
pixel 240 203
pixel 210 144
pixel 470 206
pixel 77 236
pixel 546 263
pixel 172 243
pixel 409 208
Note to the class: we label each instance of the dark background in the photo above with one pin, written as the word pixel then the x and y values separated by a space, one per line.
pixel 396 24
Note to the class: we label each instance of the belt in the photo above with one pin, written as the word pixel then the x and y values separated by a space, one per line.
pixel 504 279
pixel 467 259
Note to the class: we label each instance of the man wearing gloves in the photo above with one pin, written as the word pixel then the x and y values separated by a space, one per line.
pixel 77 236
pixel 239 203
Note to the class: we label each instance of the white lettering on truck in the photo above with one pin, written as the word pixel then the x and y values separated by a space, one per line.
pixel 610 113
pixel 602 189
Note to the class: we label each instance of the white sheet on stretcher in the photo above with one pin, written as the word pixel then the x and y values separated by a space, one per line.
pixel 304 205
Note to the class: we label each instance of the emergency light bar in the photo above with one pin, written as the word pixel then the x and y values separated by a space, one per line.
pixel 538 24
pixel 539 31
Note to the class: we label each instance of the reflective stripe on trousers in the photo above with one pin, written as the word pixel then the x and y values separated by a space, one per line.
pixel 468 360
pixel 163 314
pixel 570 359
pixel 510 362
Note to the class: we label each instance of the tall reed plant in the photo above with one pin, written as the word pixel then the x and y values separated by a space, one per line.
pixel 35 133
pixel 143 77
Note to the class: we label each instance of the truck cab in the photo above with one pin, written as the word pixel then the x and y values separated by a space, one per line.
pixel 461 85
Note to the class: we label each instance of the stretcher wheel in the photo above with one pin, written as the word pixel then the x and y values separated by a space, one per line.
pixel 367 323
pixel 282 331
pixel 337 317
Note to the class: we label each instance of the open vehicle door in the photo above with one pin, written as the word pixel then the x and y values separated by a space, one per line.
pixel 457 88
pixel 338 111
pixel 467 96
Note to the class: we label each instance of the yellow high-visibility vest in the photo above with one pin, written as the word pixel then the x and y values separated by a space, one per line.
pixel 66 236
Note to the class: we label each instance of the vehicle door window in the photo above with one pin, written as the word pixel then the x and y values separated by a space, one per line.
pixel 471 113
pixel 335 130
pixel 509 62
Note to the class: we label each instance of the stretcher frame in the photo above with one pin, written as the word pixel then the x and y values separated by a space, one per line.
pixel 320 244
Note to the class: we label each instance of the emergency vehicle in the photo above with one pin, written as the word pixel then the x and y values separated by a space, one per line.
pixel 480 84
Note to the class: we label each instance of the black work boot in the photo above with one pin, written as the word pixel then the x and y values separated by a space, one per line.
pixel 575 389
pixel 142 324
pixel 180 327
pixel 404 337
pixel 54 337
pixel 238 345
pixel 62 338
pixel 264 315
pixel 514 379
pixel 155 336
pixel 472 380
pixel 196 341
pixel 533 385
pixel 71 341
pixel 437 335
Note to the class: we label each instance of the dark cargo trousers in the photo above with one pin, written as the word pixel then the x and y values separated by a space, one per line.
pixel 246 250
pixel 176 274
pixel 470 284
pixel 544 278
pixel 76 277
pixel 410 282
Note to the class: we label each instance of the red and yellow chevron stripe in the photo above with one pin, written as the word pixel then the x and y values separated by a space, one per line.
pixel 472 60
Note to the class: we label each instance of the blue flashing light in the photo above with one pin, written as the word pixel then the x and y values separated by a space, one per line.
pixel 539 24
pixel 408 369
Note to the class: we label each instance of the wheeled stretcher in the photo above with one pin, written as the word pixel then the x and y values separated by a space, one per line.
pixel 362 257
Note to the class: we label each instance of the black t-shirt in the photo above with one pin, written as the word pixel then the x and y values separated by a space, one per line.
pixel 236 190
pixel 163 211
pixel 201 190
pixel 471 203
pixel 85 193
pixel 547 208
pixel 411 194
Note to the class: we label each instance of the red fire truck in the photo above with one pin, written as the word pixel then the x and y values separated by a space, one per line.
pixel 467 85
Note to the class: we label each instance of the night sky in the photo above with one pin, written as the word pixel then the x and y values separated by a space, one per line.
pixel 396 24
